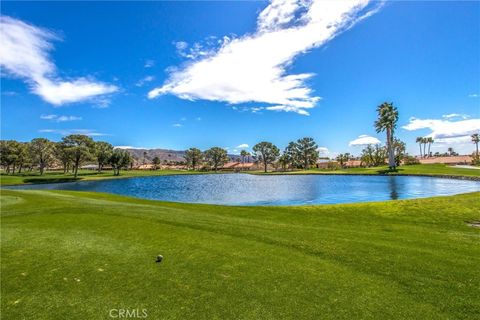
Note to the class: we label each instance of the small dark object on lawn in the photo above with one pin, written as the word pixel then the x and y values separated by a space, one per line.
pixel 159 258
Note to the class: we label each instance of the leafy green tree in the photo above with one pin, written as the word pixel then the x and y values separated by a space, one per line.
pixel 216 157
pixel 266 152
pixel 42 152
pixel 373 155
pixel 119 159
pixel 399 150
pixel 193 157
pixel 284 161
pixel 387 121
pixel 307 152
pixel 9 154
pixel 23 155
pixel 343 158
pixel 103 152
pixel 292 155
pixel 155 162
pixel 82 149
pixel 64 155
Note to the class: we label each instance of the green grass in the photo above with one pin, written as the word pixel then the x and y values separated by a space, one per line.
pixel 58 176
pixel 73 255
pixel 419 169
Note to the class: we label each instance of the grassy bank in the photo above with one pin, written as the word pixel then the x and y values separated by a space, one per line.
pixel 58 176
pixel 419 169
pixel 72 255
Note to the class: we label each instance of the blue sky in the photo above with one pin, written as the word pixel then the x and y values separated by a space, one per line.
pixel 182 74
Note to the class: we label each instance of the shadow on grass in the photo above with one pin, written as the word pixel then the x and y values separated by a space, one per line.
pixel 389 171
pixel 51 180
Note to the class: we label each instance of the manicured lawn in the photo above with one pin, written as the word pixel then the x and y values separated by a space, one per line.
pixel 419 169
pixel 72 255
pixel 58 176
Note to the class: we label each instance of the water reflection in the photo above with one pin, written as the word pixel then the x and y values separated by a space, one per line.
pixel 245 189
pixel 392 181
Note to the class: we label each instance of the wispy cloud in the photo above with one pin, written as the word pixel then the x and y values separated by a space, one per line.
pixel 445 130
pixel 177 125
pixel 455 115
pixel 242 146
pixel 149 64
pixel 24 53
pixel 57 118
pixel 364 140
pixel 473 95
pixel 253 68
pixel 9 93
pixel 66 132
pixel 143 81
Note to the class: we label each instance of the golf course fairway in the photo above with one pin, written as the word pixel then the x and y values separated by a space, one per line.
pixel 76 255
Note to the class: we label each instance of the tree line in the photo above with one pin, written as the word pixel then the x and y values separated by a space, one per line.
pixel 300 154
pixel 71 152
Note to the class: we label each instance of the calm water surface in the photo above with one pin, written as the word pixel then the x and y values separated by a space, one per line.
pixel 246 189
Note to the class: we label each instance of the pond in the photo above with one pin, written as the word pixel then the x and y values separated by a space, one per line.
pixel 247 189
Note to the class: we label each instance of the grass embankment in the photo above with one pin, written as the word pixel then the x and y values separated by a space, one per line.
pixel 59 176
pixel 419 169
pixel 73 255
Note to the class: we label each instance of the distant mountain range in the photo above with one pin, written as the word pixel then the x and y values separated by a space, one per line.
pixel 164 155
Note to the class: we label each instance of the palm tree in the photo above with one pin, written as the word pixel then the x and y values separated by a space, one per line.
pixel 419 140
pixel 476 140
pixel 430 141
pixel 387 121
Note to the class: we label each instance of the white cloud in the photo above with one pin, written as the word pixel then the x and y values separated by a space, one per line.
pixel 364 140
pixel 455 115
pixel 445 131
pixel 143 81
pixel 58 118
pixel 66 132
pixel 177 125
pixel 253 68
pixel 243 145
pixel 24 53
pixel 198 119
pixel 473 95
pixel 149 64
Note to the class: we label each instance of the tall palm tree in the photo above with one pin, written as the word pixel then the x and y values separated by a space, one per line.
pixel 476 140
pixel 387 121
pixel 419 140
pixel 430 141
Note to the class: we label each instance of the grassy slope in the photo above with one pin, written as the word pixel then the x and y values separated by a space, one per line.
pixel 391 260
pixel 57 176
pixel 421 169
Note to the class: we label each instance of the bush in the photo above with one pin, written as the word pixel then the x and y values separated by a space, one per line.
pixel 409 160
